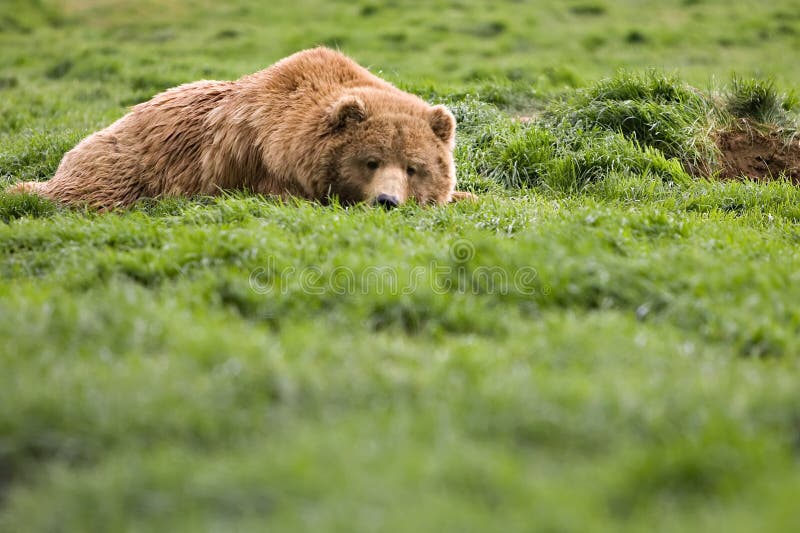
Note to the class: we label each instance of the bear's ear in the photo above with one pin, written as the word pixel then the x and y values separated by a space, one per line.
pixel 443 124
pixel 348 108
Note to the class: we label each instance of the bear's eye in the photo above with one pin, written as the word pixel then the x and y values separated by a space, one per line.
pixel 373 164
pixel 411 170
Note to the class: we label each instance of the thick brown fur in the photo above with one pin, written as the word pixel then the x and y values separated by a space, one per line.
pixel 315 125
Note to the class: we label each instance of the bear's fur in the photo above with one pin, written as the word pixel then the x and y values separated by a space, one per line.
pixel 314 125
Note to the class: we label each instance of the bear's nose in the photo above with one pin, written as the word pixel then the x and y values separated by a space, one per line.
pixel 387 200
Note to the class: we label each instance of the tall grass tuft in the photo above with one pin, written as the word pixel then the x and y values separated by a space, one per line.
pixel 752 98
pixel 654 110
pixel 759 100
pixel 643 125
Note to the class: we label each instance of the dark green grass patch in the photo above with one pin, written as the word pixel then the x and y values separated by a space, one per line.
pixel 654 111
pixel 24 205
pixel 760 100
pixel 629 124
pixel 35 156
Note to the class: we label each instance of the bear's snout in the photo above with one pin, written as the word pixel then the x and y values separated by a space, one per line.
pixel 387 200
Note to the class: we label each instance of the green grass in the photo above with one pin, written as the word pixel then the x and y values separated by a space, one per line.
pixel 759 100
pixel 604 342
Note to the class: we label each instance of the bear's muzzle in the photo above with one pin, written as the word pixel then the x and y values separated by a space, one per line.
pixel 387 200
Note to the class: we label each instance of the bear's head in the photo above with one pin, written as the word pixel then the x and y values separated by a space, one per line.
pixel 391 154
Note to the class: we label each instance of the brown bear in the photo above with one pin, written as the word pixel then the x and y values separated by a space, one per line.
pixel 314 125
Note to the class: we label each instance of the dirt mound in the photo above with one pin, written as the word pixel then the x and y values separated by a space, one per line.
pixel 758 155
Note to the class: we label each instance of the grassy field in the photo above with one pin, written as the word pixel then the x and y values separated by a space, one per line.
pixel 609 340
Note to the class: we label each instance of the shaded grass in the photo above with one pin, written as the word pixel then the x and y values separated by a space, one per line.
pixel 655 110
pixel 25 205
pixel 761 101
pixel 640 124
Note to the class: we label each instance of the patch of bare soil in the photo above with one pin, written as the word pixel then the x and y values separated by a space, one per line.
pixel 763 156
